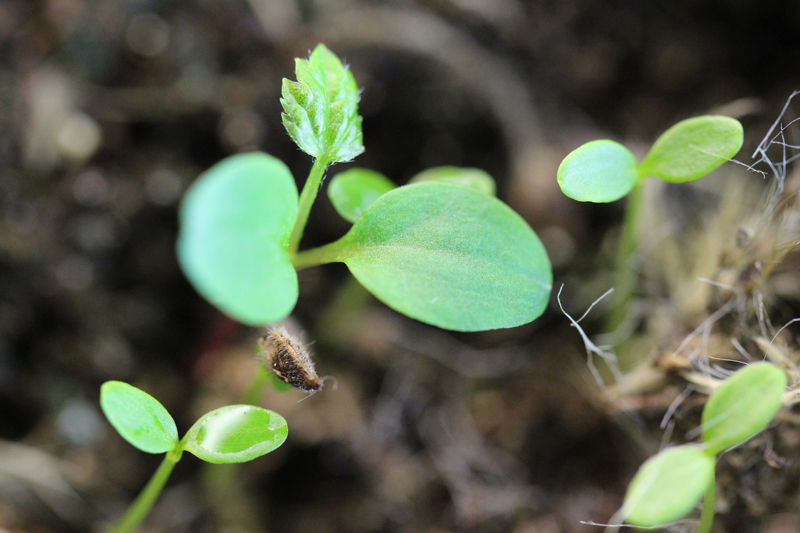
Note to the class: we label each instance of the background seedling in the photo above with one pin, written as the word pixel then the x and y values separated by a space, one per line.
pixel 444 254
pixel 351 192
pixel 671 483
pixel 474 178
pixel 604 171
pixel 231 434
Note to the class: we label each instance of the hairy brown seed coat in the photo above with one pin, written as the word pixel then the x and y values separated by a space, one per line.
pixel 287 356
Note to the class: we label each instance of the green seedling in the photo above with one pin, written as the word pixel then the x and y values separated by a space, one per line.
pixel 670 484
pixel 473 178
pixel 231 434
pixel 351 192
pixel 441 253
pixel 605 171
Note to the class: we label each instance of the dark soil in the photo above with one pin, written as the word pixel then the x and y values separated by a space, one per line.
pixel 109 110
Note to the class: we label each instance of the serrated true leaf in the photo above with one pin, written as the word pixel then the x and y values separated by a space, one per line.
pixel 598 171
pixel 235 434
pixel 235 225
pixel 742 406
pixel 321 108
pixel 467 177
pixel 449 256
pixel 667 486
pixel 692 148
pixel 138 417
pixel 351 192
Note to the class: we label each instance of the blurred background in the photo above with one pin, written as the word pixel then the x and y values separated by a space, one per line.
pixel 110 108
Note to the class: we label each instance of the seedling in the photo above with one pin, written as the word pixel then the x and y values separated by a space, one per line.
pixel 439 252
pixel 231 434
pixel 605 171
pixel 669 485
pixel 351 192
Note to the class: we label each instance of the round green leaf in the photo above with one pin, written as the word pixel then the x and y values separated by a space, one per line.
pixel 692 148
pixel 742 405
pixel 138 417
pixel 598 171
pixel 235 434
pixel 449 256
pixel 466 177
pixel 235 225
pixel 667 486
pixel 353 191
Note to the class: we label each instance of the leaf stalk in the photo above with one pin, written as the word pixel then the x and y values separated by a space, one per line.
pixel 625 275
pixel 307 197
pixel 330 253
pixel 144 502
pixel 707 516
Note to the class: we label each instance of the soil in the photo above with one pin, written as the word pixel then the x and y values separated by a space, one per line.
pixel 109 110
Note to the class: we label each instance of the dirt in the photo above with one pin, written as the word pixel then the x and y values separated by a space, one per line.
pixel 109 110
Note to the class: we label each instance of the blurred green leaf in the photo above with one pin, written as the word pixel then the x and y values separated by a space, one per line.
pixel 598 171
pixel 692 148
pixel 742 406
pixel 235 225
pixel 351 192
pixel 278 383
pixel 474 178
pixel 138 417
pixel 235 434
pixel 668 486
pixel 449 256
pixel 321 108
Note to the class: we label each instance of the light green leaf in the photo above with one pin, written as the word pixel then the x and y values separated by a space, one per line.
pixel 742 406
pixel 467 177
pixel 235 225
pixel 692 148
pixel 321 108
pixel 667 486
pixel 449 256
pixel 138 417
pixel 351 192
pixel 235 434
pixel 598 171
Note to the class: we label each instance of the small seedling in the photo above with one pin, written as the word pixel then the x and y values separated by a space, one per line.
pixel 669 485
pixel 605 171
pixel 231 434
pixel 474 178
pixel 351 192
pixel 439 252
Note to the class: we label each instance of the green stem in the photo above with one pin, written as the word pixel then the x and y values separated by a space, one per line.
pixel 330 253
pixel 144 502
pixel 707 516
pixel 625 276
pixel 256 389
pixel 307 198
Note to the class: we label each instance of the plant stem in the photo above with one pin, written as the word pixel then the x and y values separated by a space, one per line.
pixel 144 502
pixel 329 253
pixel 625 276
pixel 707 516
pixel 253 394
pixel 307 198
